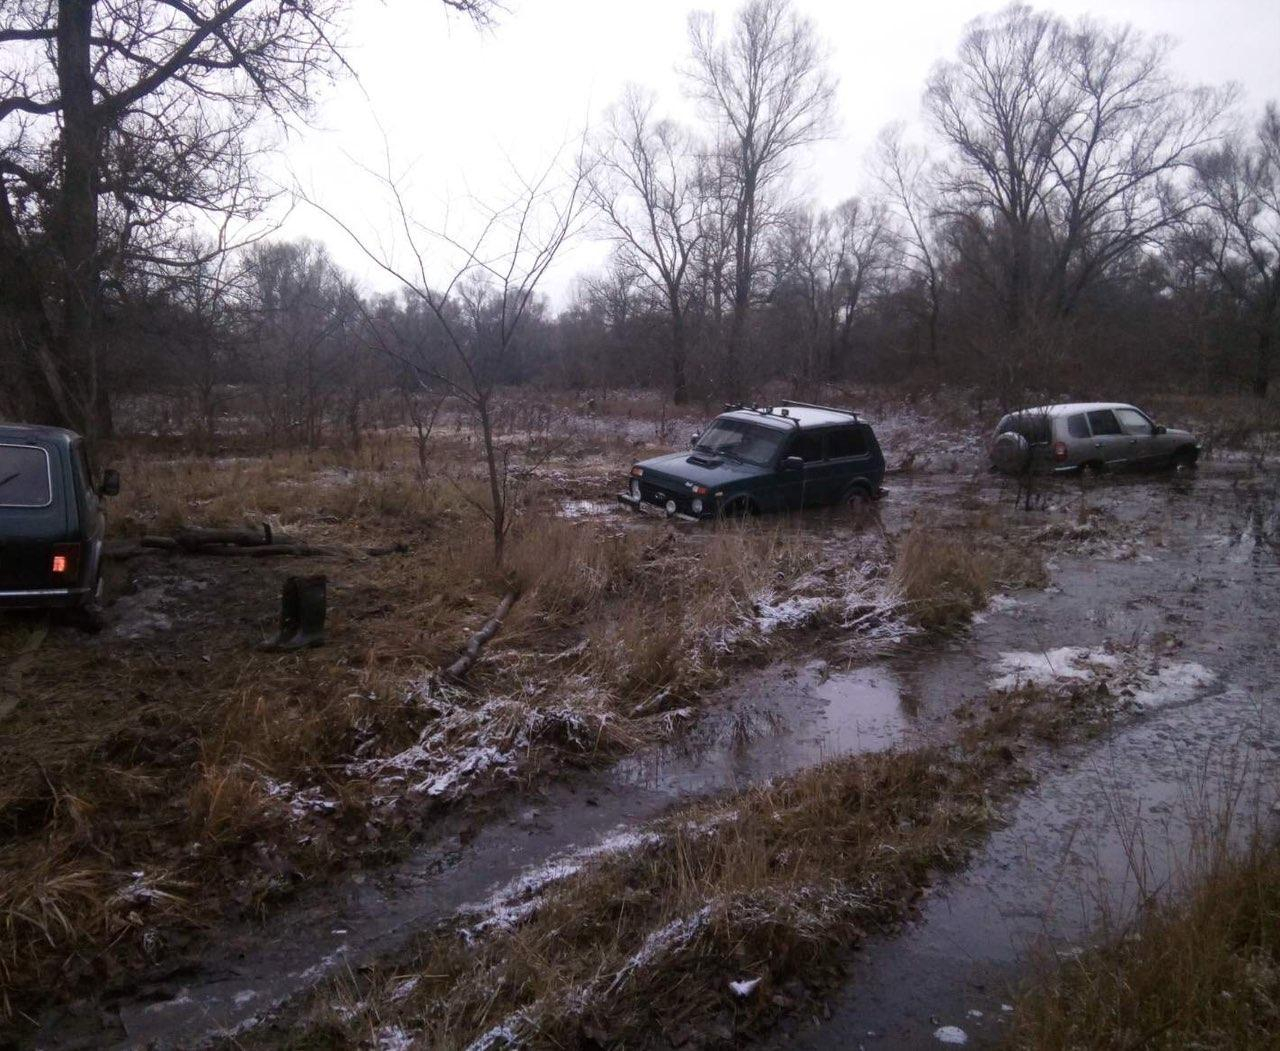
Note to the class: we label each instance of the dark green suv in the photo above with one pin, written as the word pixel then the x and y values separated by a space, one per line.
pixel 756 458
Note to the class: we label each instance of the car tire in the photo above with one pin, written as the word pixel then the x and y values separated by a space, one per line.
pixel 857 501
pixel 736 510
pixel 1185 460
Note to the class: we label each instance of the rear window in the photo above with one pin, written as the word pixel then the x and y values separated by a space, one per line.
pixel 1034 426
pixel 1077 426
pixel 24 477
pixel 846 441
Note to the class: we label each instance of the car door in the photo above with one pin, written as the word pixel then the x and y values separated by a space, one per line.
pixel 1110 443
pixel 1140 435
pixel 849 459
pixel 805 488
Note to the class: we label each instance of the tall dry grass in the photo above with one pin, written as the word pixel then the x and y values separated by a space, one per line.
pixel 1202 972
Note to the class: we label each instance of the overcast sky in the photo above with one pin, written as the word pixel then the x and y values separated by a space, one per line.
pixel 460 107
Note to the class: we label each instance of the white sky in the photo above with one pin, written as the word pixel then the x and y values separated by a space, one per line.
pixel 461 107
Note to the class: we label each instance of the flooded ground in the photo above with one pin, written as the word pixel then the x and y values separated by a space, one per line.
pixel 1186 567
pixel 1109 823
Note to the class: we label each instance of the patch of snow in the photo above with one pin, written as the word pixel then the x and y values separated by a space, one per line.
pixel 745 987
pixel 1040 668
pixel 1143 679
pixel 392 1038
pixel 950 1034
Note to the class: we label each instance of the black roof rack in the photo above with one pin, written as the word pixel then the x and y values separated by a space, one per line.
pixel 761 410
pixel 824 408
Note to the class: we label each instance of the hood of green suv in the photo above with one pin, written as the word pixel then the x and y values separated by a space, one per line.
pixel 697 469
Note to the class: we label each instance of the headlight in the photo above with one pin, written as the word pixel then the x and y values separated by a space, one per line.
pixel 635 488
pixel 697 507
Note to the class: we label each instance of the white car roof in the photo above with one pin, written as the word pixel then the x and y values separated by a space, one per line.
pixel 806 417
pixel 1069 408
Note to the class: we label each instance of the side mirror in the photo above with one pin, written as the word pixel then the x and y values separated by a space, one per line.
pixel 1158 429
pixel 694 440
pixel 793 463
pixel 110 483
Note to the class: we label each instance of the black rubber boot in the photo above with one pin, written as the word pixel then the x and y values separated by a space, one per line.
pixel 302 612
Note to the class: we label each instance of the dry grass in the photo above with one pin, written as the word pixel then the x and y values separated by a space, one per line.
pixel 1203 972
pixel 193 759
pixel 944 579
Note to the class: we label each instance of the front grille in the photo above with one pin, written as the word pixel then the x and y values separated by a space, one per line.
pixel 658 495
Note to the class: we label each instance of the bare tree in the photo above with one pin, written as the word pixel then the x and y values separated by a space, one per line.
pixel 903 173
pixel 767 92
pixel 644 181
pixel 118 120
pixel 1241 185
pixel 483 305
pixel 1066 141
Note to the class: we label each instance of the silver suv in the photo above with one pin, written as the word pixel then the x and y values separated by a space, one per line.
pixel 1083 435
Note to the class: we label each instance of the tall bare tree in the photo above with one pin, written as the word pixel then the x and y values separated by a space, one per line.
pixel 1066 145
pixel 644 181
pixel 766 89
pixel 1241 185
pixel 903 172
pixel 482 306
pixel 118 118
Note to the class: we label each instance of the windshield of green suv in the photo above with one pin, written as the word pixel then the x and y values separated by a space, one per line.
pixel 741 440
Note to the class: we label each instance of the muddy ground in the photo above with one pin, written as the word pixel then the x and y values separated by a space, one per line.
pixel 1185 565
pixel 1165 586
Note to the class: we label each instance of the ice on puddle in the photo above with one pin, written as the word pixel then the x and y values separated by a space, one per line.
pixel 950 1034
pixel 745 987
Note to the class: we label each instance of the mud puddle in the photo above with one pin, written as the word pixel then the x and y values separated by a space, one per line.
pixel 773 723
pixel 1108 824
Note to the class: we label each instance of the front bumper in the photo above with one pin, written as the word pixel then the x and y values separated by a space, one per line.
pixel 638 504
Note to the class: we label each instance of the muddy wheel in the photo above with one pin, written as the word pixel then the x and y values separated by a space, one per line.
pixel 857 502
pixel 736 510
pixel 1185 460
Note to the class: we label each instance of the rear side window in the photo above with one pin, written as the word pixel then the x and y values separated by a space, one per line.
pixel 1077 426
pixel 846 441
pixel 808 446
pixel 24 477
pixel 1103 421
pixel 1034 426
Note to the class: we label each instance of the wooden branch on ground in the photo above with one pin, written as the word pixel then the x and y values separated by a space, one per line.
pixel 459 668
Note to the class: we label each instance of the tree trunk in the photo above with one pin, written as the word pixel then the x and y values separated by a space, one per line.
pixel 679 378
pixel 77 230
pixel 497 500
pixel 1262 364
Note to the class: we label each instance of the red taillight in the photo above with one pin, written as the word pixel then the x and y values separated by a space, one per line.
pixel 66 560
pixel 1059 450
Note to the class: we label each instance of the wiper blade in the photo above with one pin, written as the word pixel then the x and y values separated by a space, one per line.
pixel 9 478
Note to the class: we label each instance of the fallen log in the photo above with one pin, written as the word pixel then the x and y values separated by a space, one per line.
pixel 238 543
pixel 459 668
pixel 197 537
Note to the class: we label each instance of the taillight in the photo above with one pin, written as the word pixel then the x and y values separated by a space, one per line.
pixel 65 564
pixel 1059 450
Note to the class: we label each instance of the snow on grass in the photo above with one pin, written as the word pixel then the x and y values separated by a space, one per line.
pixel 950 1034
pixel 1144 679
pixel 745 987
pixel 519 899
pixel 462 746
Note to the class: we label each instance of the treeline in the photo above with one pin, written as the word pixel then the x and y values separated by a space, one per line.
pixel 1069 218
